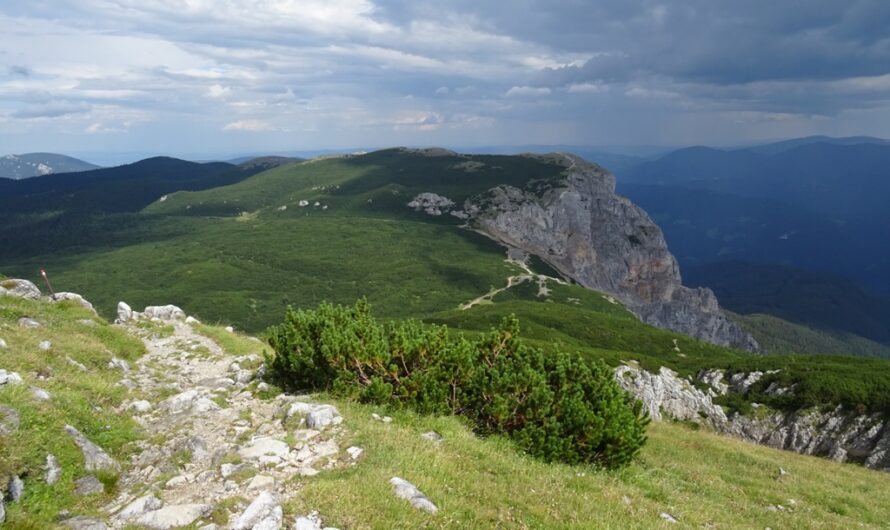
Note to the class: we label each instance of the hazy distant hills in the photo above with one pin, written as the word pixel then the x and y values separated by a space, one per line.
pixel 813 203
pixel 37 164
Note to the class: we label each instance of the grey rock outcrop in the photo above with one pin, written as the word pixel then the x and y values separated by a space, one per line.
pixel 95 459
pixel 405 490
pixel 173 516
pixel 264 513
pixel 604 242
pixel 16 489
pixel 164 312
pixel 124 312
pixel 19 288
pixel 10 378
pixel 839 434
pixel 59 297
pixel 88 485
pixel 431 203
pixel 84 523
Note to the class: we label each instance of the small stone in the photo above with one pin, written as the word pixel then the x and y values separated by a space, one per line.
pixel 355 452
pixel 40 394
pixel 263 387
pixel 2 511
pixel 261 482
pixel 626 500
pixel 26 322
pixel 75 364
pixel 668 517
pixel 175 482
pixel 405 490
pixel 53 469
pixel 191 320
pixel 433 436
pixel 138 507
pixel 264 446
pixel 124 312
pixel 375 416
pixel 45 345
pixel 10 378
pixel 142 406
pixel 88 485
pixel 2 344
pixel 164 313
pixel 118 364
pixel 308 522
pixel 227 470
pixel 230 329
pixel 90 323
pixel 16 489
pixel 386 419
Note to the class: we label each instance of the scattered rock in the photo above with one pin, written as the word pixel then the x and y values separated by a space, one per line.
pixel 124 312
pixel 141 406
pixel 27 322
pixel 191 320
pixel 84 523
pixel 261 482
pixel 118 364
pixel 264 513
pixel 53 471
pixel 15 489
pixel 75 364
pixel 9 420
pixel 40 394
pixel 227 470
pixel 323 415
pixel 90 323
pixel 230 329
pixel 189 401
pixel 2 511
pixel 431 203
pixel 45 345
pixel 10 378
pixel 308 522
pixel 781 474
pixel 406 490
pixel 19 288
pixel 264 446
pixel 95 458
pixel 88 485
pixel 668 517
pixel 164 312
pixel 175 482
pixel 433 436
pixel 173 516
pixel 355 452
pixel 2 344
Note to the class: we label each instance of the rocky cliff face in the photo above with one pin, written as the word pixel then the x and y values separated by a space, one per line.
pixel 604 242
pixel 838 434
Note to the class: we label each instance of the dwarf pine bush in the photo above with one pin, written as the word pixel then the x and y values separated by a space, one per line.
pixel 557 407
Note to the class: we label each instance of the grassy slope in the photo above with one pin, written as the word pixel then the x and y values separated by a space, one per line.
pixel 201 251
pixel 782 336
pixel 704 479
pixel 84 400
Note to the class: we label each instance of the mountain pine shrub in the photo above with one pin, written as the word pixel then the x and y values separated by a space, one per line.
pixel 557 407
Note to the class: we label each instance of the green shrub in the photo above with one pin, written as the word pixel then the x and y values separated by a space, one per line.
pixel 555 406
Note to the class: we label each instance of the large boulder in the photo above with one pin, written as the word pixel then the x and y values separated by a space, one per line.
pixel 164 312
pixel 19 288
pixel 60 297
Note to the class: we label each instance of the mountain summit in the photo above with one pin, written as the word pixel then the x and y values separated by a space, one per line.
pixel 38 164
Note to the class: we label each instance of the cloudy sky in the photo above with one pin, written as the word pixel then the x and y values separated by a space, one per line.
pixel 216 77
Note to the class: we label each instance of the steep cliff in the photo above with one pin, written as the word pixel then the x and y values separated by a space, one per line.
pixel 601 240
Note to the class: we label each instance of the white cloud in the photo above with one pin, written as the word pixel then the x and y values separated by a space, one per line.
pixel 218 91
pixel 249 126
pixel 589 88
pixel 524 91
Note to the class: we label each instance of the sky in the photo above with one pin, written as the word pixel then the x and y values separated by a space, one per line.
pixel 118 78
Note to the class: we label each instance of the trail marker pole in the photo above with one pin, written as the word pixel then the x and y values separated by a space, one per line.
pixel 48 286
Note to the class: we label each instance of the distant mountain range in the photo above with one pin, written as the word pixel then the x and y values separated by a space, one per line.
pixel 38 164
pixel 816 203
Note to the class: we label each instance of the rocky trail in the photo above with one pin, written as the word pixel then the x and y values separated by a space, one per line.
pixel 214 455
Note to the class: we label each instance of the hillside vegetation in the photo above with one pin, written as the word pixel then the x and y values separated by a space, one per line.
pixel 339 229
pixel 700 479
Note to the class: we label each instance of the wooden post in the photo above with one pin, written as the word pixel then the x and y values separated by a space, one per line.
pixel 48 286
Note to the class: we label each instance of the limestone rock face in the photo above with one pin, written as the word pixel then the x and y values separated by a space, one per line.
pixel 604 242
pixel 839 434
